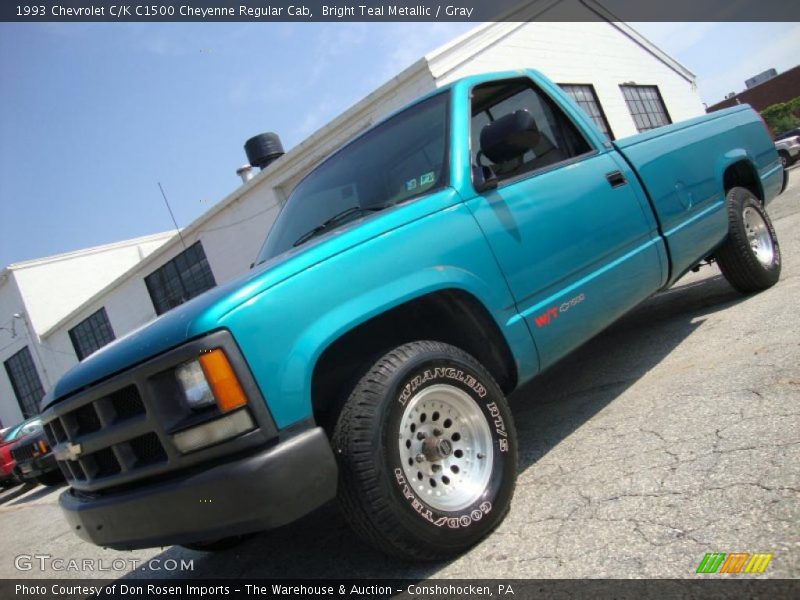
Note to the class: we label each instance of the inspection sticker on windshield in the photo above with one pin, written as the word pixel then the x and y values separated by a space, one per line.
pixel 426 178
pixel 411 184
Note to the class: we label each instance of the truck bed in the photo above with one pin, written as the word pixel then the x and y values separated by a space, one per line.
pixel 689 207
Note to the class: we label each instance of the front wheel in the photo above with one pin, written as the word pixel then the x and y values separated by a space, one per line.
pixel 427 453
pixel 786 160
pixel 750 259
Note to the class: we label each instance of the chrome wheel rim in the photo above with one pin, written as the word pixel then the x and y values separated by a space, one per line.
pixel 758 236
pixel 445 447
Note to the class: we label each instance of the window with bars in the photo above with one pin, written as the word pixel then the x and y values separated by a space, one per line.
pixel 181 279
pixel 25 382
pixel 91 334
pixel 585 97
pixel 646 106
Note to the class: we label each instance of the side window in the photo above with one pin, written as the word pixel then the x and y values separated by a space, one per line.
pixel 517 129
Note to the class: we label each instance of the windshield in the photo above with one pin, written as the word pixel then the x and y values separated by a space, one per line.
pixel 23 429
pixel 402 158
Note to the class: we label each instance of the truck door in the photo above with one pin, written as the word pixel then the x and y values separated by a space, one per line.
pixel 567 223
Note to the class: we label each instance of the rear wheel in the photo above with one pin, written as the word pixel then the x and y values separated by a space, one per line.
pixel 750 259
pixel 786 160
pixel 427 453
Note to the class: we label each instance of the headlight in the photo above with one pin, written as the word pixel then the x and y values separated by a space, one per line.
pixel 195 388
pixel 206 382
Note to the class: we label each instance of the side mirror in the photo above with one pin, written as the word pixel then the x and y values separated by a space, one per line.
pixel 483 178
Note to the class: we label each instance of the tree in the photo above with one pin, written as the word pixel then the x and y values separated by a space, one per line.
pixel 782 116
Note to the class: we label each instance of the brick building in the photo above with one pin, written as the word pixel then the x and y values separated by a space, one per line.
pixel 781 88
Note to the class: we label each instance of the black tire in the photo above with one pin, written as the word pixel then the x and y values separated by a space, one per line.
pixel 785 158
pixel 51 478
pixel 738 257
pixel 376 495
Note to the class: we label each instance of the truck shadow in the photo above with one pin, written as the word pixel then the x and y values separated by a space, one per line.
pixel 546 411
pixel 16 492
pixel 42 492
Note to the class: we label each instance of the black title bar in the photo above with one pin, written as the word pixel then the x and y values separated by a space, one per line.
pixel 429 589
pixel 412 10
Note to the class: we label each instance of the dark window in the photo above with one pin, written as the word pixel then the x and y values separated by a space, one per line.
pixel 554 138
pixel 25 381
pixel 646 106
pixel 91 334
pixel 181 279
pixel 585 97
pixel 397 161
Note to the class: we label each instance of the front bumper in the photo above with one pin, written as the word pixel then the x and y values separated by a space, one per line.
pixel 35 467
pixel 259 491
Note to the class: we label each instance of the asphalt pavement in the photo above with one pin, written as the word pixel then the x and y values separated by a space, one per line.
pixel 674 433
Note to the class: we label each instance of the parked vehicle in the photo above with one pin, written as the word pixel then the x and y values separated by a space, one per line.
pixel 411 282
pixel 787 134
pixel 35 460
pixel 789 150
pixel 10 437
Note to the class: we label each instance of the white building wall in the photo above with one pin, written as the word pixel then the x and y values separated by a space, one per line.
pixel 43 291
pixel 15 334
pixel 51 288
pixel 233 237
pixel 582 52
pixel 10 304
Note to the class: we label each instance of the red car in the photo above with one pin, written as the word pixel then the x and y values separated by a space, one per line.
pixel 9 438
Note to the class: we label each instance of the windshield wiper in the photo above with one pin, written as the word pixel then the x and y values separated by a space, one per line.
pixel 333 220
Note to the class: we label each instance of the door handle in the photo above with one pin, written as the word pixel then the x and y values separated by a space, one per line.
pixel 616 179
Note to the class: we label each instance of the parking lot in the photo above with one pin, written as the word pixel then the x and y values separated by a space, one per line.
pixel 674 433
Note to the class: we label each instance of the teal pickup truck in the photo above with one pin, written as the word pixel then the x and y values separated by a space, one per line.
pixel 411 281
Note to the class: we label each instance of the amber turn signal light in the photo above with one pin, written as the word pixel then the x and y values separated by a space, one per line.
pixel 222 380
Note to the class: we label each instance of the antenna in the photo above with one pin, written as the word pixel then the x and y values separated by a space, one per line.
pixel 163 195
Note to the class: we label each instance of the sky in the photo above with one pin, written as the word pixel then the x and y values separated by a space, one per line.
pixel 94 116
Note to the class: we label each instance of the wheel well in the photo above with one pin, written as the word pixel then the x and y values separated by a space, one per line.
pixel 450 316
pixel 743 174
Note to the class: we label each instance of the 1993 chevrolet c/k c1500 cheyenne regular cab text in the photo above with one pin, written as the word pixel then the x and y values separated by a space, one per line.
pixel 411 282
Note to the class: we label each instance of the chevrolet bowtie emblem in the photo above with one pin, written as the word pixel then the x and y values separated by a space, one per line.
pixel 68 452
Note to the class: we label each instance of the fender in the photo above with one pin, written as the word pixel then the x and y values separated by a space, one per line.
pixel 284 331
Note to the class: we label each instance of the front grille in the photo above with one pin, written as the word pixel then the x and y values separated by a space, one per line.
pixel 148 449
pixel 106 463
pixel 86 420
pixel 22 453
pixel 117 407
pixel 55 432
pixel 127 403
pixel 124 453
pixel 72 470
